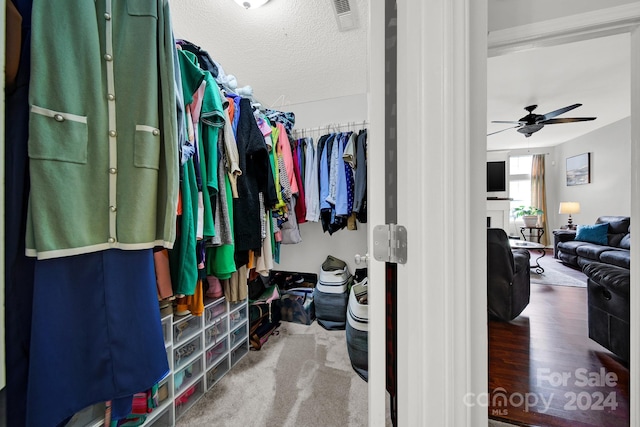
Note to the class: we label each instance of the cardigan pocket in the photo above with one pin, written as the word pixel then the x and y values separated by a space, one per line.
pixel 142 8
pixel 147 147
pixel 56 135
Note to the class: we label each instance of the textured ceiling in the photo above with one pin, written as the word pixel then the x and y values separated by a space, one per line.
pixel 289 51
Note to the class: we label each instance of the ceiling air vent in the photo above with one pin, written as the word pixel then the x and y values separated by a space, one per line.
pixel 345 15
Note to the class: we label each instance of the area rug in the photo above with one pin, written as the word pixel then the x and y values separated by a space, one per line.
pixel 556 278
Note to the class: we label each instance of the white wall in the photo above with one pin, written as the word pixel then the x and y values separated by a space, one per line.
pixel 308 255
pixel 609 192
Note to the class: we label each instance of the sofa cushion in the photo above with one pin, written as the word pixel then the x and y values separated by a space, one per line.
pixel 625 243
pixel 596 233
pixel 570 259
pixel 570 246
pixel 620 257
pixel 619 226
pixel 591 251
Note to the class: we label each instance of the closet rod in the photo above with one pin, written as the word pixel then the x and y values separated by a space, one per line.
pixel 330 127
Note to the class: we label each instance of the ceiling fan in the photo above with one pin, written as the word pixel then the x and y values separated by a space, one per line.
pixel 532 123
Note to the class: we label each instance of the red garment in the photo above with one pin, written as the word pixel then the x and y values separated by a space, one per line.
pixel 301 207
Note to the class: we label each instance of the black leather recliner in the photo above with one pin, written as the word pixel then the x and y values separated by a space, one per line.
pixel 609 307
pixel 508 277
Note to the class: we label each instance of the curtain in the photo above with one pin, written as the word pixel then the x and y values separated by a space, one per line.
pixel 539 194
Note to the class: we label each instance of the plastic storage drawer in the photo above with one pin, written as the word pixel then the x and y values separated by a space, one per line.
pixel 186 352
pixel 215 311
pixel 214 333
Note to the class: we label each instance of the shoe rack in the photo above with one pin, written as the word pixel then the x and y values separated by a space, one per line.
pixel 200 351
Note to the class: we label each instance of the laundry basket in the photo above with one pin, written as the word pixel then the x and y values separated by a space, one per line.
pixel 357 329
pixel 331 294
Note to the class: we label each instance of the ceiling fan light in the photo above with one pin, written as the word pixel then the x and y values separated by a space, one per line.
pixel 251 4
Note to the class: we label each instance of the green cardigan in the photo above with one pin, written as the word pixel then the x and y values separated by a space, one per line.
pixel 103 146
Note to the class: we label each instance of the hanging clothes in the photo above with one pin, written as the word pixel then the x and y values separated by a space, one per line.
pixel 220 261
pixel 105 145
pixel 93 143
pixel 360 185
pixel 312 190
pixel 301 205
pixel 334 179
pixel 96 333
pixel 342 184
pixel 264 262
pixel 19 269
pixel 211 121
pixel 235 288
pixel 287 119
pixel 349 165
pixel 205 61
pixel 183 259
pixel 163 274
pixel 254 163
pixel 284 151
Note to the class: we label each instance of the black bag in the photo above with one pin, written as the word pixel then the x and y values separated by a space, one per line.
pixel 296 302
pixel 255 288
pixel 297 306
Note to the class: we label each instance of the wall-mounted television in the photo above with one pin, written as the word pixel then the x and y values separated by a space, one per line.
pixel 497 183
pixel 496 176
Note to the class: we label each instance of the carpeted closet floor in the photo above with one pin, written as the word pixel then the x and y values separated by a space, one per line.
pixel 301 377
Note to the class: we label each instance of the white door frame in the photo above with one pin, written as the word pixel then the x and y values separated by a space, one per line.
pixel 442 323
pixel 376 213
pixel 442 320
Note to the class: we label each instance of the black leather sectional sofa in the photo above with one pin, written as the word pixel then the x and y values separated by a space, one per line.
pixel 607 270
pixel 616 252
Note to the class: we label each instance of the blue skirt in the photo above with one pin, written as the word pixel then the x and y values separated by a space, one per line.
pixel 96 333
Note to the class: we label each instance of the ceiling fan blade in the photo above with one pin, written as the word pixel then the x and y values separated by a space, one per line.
pixel 493 133
pixel 559 111
pixel 515 122
pixel 566 120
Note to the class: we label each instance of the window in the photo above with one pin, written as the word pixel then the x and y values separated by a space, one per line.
pixel 520 180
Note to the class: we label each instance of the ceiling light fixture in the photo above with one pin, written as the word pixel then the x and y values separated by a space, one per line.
pixel 251 4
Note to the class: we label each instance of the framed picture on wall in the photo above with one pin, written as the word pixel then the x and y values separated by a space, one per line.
pixel 579 169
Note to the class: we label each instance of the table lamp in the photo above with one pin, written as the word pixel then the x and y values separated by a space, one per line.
pixel 569 208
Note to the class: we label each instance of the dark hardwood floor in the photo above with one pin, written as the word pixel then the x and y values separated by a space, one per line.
pixel 545 371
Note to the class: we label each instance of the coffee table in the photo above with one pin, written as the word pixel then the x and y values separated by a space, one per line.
pixel 523 244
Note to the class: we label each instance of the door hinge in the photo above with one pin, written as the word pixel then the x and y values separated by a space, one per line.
pixel 390 243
